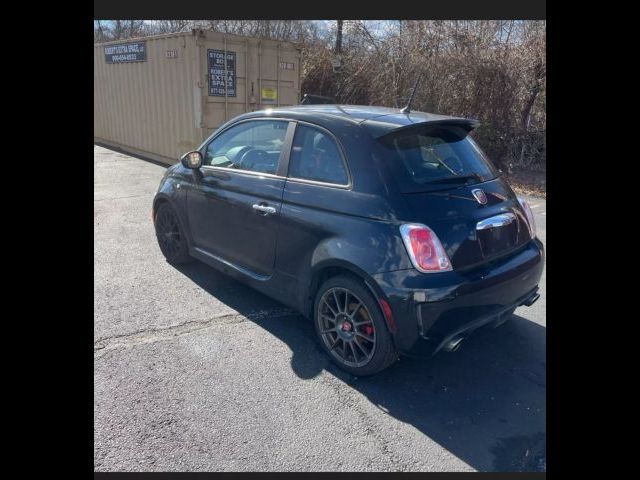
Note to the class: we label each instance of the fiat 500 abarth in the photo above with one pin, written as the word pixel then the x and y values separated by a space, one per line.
pixel 392 231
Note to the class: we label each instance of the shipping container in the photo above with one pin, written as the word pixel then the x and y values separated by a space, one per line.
pixel 161 96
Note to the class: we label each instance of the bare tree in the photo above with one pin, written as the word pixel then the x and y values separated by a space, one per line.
pixel 171 26
pixel 108 30
pixel 491 70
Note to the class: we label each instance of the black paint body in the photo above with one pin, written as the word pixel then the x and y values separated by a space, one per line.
pixel 321 230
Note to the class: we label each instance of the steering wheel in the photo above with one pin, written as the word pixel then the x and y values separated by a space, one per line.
pixel 234 155
pixel 250 156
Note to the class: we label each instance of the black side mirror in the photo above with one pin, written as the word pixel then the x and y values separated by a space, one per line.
pixel 192 160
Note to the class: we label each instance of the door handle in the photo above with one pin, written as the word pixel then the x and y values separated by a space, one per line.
pixel 264 209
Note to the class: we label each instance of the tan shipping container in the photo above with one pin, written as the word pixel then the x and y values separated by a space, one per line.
pixel 161 96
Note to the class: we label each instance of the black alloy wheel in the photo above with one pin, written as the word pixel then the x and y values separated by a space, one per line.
pixel 351 327
pixel 171 239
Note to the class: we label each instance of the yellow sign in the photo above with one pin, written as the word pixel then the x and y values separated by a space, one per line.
pixel 269 93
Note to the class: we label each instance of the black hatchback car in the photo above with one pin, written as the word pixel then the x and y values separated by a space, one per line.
pixel 392 231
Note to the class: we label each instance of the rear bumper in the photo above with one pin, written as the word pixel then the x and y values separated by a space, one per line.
pixel 430 310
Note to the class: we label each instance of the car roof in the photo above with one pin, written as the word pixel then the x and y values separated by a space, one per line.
pixel 377 120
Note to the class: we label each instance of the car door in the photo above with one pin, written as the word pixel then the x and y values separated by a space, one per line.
pixel 317 200
pixel 235 201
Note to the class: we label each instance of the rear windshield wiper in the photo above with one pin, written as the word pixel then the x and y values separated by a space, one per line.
pixel 457 179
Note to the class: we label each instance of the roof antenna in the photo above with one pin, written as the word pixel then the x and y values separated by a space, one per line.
pixel 407 109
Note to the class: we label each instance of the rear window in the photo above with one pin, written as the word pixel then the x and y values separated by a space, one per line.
pixel 429 158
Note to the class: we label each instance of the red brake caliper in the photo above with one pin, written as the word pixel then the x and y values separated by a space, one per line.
pixel 366 329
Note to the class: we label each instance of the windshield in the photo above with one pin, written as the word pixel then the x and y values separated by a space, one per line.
pixel 426 158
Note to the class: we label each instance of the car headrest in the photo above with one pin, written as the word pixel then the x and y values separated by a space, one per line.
pixel 322 142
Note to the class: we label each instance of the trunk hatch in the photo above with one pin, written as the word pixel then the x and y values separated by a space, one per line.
pixel 454 214
pixel 438 167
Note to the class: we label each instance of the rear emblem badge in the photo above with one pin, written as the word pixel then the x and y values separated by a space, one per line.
pixel 480 196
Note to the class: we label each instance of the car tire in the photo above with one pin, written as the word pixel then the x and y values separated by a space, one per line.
pixel 363 357
pixel 170 235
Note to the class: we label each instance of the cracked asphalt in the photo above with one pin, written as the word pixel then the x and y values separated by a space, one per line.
pixel 194 371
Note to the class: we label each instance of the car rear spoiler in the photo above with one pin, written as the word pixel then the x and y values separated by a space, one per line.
pixel 466 124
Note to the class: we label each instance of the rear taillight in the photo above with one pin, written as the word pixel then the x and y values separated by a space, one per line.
pixel 527 211
pixel 425 250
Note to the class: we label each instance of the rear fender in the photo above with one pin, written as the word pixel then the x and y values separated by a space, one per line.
pixel 343 266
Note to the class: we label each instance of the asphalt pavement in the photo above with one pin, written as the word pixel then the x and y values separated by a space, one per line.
pixel 193 371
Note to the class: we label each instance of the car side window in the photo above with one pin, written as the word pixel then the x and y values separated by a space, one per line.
pixel 254 146
pixel 315 156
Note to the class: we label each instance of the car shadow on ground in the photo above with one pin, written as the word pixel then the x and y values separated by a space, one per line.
pixel 485 403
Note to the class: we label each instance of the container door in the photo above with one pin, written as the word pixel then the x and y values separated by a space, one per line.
pixel 234 206
pixel 225 93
